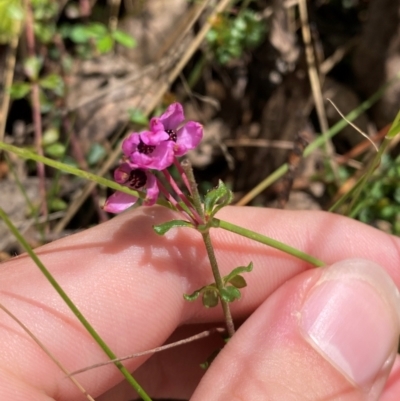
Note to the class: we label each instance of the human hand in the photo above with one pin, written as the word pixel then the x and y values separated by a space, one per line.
pixel 308 334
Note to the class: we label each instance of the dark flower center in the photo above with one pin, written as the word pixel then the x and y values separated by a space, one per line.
pixel 146 149
pixel 137 179
pixel 172 134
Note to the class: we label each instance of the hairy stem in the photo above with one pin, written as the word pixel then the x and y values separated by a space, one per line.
pixel 209 247
pixel 219 282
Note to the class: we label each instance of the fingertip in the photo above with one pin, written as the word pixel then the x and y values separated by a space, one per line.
pixel 327 334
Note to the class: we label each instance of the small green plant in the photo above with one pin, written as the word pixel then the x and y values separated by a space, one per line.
pixel 51 85
pixel 231 36
pixel 380 198
pixel 11 14
pixel 95 36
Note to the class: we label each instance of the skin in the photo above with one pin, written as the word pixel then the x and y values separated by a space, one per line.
pixel 128 282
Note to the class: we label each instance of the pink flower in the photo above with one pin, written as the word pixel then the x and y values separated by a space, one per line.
pixel 149 150
pixel 134 178
pixel 184 137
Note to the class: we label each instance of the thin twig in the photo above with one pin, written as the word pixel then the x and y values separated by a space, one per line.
pixel 114 6
pixel 36 114
pixel 8 79
pixel 196 42
pixel 47 351
pixel 196 337
pixel 353 125
pixel 315 82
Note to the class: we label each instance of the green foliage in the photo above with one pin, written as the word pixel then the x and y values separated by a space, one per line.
pixel 54 83
pixel 217 198
pixel 230 291
pixel 11 15
pixel 137 116
pixel 395 127
pixel 163 228
pixel 95 154
pixel 230 37
pixel 51 144
pixel 19 90
pixel 97 35
pixel 32 67
pixel 57 205
pixel 380 199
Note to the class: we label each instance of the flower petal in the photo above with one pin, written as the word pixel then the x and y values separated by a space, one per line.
pixel 161 157
pixel 118 202
pixel 152 190
pixel 122 172
pixel 154 138
pixel 188 137
pixel 130 144
pixel 172 117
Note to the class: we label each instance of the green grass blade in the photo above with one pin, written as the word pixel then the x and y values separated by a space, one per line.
pixel 267 241
pixel 27 154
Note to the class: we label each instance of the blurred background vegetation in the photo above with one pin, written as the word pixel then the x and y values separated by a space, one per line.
pixel 77 76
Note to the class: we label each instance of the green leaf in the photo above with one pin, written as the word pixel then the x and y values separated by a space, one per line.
pixel 395 128
pixel 32 67
pixel 44 32
pixel 50 136
pixel 96 30
pixel 237 271
pixel 205 365
pixel 138 117
pixel 192 297
pixel 65 30
pixel 238 281
pixel 95 154
pixel 210 298
pixel 396 195
pixel 161 229
pixel 11 13
pixel 57 204
pixel 217 198
pixel 105 44
pixel 83 33
pixel 56 150
pixel 124 39
pixel 19 90
pixel 53 82
pixel 230 294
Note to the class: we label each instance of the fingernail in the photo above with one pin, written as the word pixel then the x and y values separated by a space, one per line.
pixel 351 317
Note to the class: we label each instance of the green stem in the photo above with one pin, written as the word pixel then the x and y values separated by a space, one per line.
pixel 219 282
pixel 267 241
pixel 371 168
pixel 27 154
pixel 187 168
pixel 73 308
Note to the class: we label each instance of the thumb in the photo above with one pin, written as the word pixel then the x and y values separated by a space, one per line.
pixel 327 334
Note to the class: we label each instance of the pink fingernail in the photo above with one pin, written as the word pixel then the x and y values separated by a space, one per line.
pixel 350 323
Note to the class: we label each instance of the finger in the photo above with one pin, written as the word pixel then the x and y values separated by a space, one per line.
pixel 129 282
pixel 328 334
pixel 392 389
